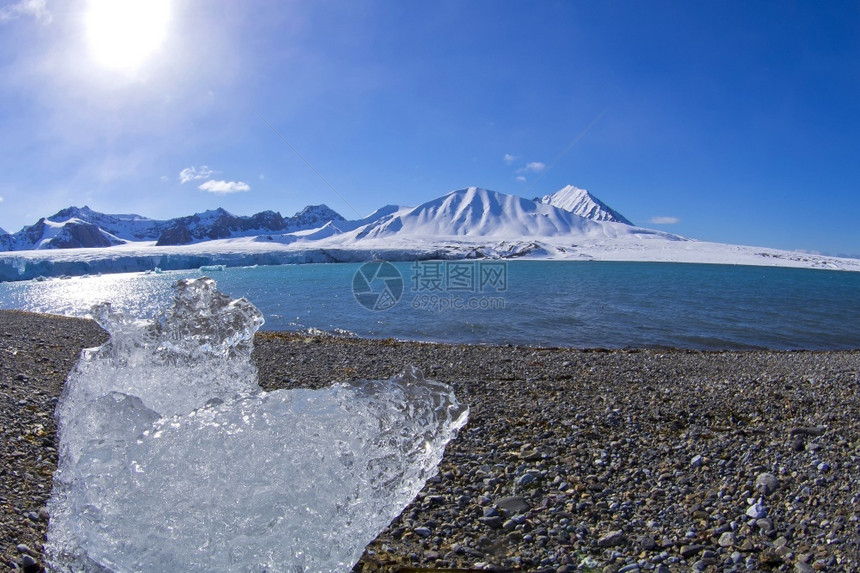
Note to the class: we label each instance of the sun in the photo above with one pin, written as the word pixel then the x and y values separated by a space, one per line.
pixel 124 34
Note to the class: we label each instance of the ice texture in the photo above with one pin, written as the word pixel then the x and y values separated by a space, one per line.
pixel 172 458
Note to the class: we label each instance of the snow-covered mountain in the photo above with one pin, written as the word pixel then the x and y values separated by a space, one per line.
pixel 475 212
pixel 3 231
pixel 581 202
pixel 82 227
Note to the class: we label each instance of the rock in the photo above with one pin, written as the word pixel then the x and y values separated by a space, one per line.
pixel 513 504
pixel 30 565
pixel 647 543
pixel 629 568
pixel 422 531
pixel 823 467
pixel 766 483
pixel 765 525
pixel 757 510
pixel 612 539
pixel 807 431
pixel 495 521
pixel 21 548
pixel 727 539
pixel 688 551
pixel 801 567
pixel 696 462
pixel 526 479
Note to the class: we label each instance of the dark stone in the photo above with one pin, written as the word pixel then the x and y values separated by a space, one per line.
pixel 495 521
pixel 513 504
pixel 688 551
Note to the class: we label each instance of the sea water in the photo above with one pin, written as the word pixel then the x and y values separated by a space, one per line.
pixel 546 303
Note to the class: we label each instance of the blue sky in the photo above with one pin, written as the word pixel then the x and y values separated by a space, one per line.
pixel 736 122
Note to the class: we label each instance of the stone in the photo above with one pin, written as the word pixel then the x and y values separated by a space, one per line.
pixel 807 431
pixel 490 512
pixel 696 462
pixel 766 483
pixel 495 521
pixel 513 504
pixel 612 539
pixel 647 543
pixel 765 525
pixel 30 565
pixel 526 479
pixel 688 551
pixel 757 510
pixel 727 539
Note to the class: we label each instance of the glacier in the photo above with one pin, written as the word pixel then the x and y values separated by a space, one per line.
pixel 173 458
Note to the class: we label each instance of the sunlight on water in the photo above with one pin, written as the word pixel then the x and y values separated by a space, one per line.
pixel 136 293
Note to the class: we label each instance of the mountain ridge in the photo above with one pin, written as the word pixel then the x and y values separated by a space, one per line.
pixel 465 212
pixel 82 227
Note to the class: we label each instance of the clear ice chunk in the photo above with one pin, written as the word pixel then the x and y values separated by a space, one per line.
pixel 173 458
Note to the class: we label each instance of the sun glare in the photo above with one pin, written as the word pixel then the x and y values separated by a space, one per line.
pixel 123 34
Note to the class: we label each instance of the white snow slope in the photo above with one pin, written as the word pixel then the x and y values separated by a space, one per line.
pixel 467 223
pixel 581 202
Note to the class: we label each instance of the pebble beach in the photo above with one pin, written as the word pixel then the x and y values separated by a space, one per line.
pixel 572 460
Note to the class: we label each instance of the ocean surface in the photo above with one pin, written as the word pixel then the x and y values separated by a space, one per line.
pixel 543 303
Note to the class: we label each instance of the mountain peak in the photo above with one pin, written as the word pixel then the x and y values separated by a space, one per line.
pixel 581 202
pixel 319 211
pixel 71 213
pixel 480 212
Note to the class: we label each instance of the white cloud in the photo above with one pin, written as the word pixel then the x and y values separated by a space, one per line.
pixel 521 179
pixel 34 8
pixel 224 187
pixel 192 173
pixel 664 220
pixel 510 158
pixel 1 199
pixel 535 166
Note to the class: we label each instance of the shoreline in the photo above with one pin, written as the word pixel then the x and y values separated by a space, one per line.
pixel 614 458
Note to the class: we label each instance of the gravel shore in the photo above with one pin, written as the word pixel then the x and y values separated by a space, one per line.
pixel 660 460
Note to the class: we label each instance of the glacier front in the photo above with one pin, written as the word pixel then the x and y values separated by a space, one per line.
pixel 173 458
